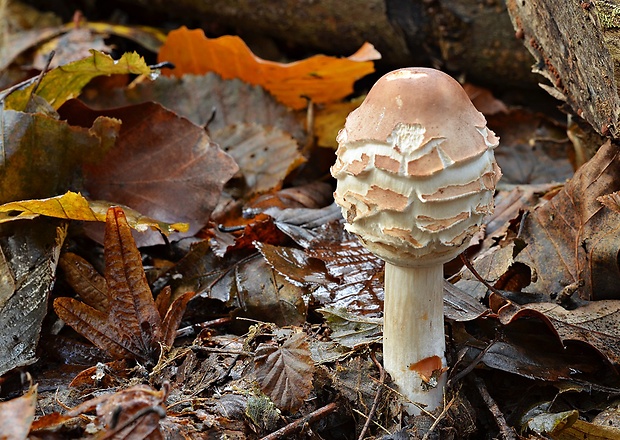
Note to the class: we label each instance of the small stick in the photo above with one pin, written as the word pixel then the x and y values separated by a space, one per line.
pixel 293 427
pixel 375 403
pixel 506 431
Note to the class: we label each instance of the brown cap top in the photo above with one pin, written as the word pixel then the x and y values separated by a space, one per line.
pixel 415 168
pixel 439 104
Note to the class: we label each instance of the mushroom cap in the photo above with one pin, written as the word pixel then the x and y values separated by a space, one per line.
pixel 415 168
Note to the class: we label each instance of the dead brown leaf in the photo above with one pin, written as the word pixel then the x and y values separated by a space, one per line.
pixel 594 324
pixel 130 326
pixel 162 165
pixel 16 415
pixel 130 414
pixel 284 372
pixel 572 239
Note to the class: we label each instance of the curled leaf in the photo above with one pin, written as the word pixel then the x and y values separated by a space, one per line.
pixel 319 78
pixel 74 206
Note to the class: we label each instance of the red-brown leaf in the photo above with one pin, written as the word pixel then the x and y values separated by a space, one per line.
pixel 95 326
pixel 285 373
pixel 133 307
pixel 83 278
pixel 173 317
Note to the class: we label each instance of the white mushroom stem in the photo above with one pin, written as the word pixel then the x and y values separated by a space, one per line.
pixel 413 334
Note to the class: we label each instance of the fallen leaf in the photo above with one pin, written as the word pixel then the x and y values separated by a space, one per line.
pixel 59 150
pixel 162 165
pixel 265 155
pixel 572 239
pixel 350 330
pixel 132 413
pixel 28 259
pixel 330 119
pixel 66 82
pixel 70 46
pixel 17 415
pixel 319 78
pixel 206 100
pixel 533 148
pixel 131 327
pixel 73 206
pixel 285 373
pixel 594 324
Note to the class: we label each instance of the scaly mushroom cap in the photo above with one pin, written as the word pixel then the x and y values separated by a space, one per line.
pixel 415 168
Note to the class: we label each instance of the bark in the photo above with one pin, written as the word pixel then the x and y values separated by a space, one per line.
pixel 462 36
pixel 573 42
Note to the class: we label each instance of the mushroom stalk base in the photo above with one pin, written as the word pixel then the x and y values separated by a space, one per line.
pixel 413 334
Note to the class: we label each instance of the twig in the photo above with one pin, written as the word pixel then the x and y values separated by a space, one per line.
pixel 477 275
pixel 293 427
pixel 507 433
pixel 375 403
pixel 438 419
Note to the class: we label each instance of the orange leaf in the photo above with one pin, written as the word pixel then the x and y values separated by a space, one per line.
pixel 320 78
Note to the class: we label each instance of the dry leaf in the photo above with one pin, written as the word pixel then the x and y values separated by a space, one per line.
pixel 132 413
pixel 594 324
pixel 131 326
pixel 66 82
pixel 319 78
pixel 206 100
pixel 73 206
pixel 572 239
pixel 285 373
pixel 265 155
pixel 162 165
pixel 59 148
pixel 16 415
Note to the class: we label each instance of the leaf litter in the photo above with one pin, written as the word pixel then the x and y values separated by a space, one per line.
pixel 285 318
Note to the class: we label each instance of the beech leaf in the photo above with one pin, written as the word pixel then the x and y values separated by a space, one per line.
pixel 595 324
pixel 255 148
pixel 66 82
pixel 285 373
pixel 162 165
pixel 59 149
pixel 319 78
pixel 74 206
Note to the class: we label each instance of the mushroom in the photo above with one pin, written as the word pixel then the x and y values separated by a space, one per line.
pixel 415 174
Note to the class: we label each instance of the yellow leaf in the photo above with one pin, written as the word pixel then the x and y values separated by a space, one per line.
pixel 66 82
pixel 330 120
pixel 73 206
pixel 320 78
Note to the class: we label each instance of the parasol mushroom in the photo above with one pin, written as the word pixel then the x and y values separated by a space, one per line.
pixel 415 174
